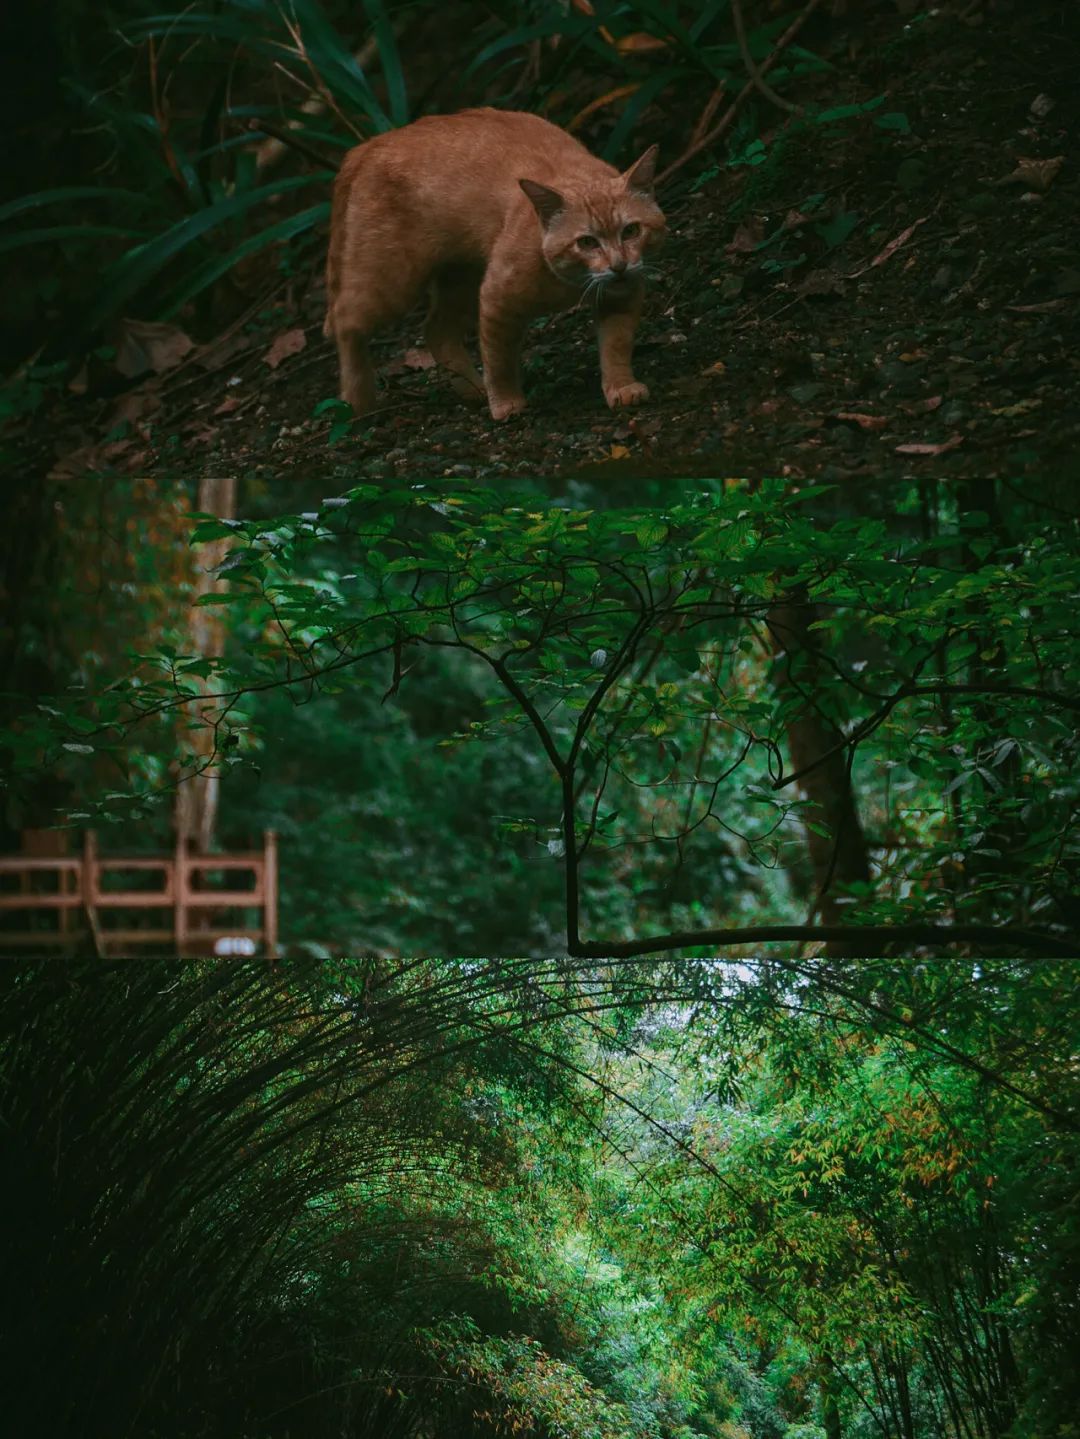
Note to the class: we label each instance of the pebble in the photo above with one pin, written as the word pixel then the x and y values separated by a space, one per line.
pixel 804 394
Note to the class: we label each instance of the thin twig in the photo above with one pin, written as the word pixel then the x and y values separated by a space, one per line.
pixel 288 138
pixel 271 150
pixel 757 76
pixel 724 123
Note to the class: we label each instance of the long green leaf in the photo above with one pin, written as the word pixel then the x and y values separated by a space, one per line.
pixel 142 264
pixel 49 234
pixel 641 97
pixel 564 25
pixel 390 59
pixel 206 274
pixel 336 64
pixel 69 192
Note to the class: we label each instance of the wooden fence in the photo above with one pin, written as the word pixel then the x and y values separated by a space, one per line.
pixel 176 903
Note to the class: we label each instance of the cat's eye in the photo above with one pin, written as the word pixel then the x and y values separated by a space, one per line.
pixel 588 242
pixel 629 231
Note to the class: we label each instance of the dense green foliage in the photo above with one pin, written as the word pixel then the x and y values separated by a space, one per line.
pixel 634 706
pixel 561 1200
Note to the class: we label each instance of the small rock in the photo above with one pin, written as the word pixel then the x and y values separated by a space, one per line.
pixel 806 393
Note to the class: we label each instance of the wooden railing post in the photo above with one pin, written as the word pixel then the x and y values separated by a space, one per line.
pixel 180 895
pixel 90 891
pixel 270 893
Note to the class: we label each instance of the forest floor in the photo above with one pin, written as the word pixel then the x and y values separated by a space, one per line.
pixel 886 295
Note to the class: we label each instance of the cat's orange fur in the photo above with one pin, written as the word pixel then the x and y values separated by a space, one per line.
pixel 504 217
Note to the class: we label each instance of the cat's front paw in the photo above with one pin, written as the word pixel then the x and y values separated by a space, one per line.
pixel 621 396
pixel 503 409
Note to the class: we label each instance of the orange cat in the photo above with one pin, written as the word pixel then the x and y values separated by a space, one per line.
pixel 504 217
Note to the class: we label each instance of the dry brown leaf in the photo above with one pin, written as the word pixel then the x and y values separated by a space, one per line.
pixel 1022 407
pixel 1041 308
pixel 890 249
pixel 931 450
pixel 910 357
pixel 640 43
pixel 717 368
pixel 746 238
pixel 289 342
pixel 620 92
pixel 864 422
pixel 228 404
pixel 923 407
pixel 618 452
pixel 419 360
pixel 1035 174
pixel 143 346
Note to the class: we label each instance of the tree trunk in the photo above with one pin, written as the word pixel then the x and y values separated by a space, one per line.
pixel 839 857
pixel 197 794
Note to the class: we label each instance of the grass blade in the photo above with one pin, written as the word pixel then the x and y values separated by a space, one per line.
pixel 206 274
pixel 140 265
pixel 390 58
pixel 51 233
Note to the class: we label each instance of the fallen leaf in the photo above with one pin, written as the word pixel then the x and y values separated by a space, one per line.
pixel 911 357
pixel 640 43
pixel 1041 106
pixel 891 248
pixel 923 407
pixel 143 346
pixel 716 368
pixel 228 404
pixel 942 449
pixel 1036 174
pixel 419 360
pixel 289 342
pixel 864 422
pixel 1040 308
pixel 746 238
pixel 1022 407
pixel 618 452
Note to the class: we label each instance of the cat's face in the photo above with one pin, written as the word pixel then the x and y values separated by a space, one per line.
pixel 599 240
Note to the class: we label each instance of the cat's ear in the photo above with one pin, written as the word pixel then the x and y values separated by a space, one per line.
pixel 547 203
pixel 642 173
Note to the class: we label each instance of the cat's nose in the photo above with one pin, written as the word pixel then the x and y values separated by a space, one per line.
pixel 618 265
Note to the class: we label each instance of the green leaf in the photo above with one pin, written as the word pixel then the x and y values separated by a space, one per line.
pixel 894 120
pixel 651 533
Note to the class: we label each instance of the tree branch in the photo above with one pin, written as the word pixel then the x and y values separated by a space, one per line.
pixel 1012 937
